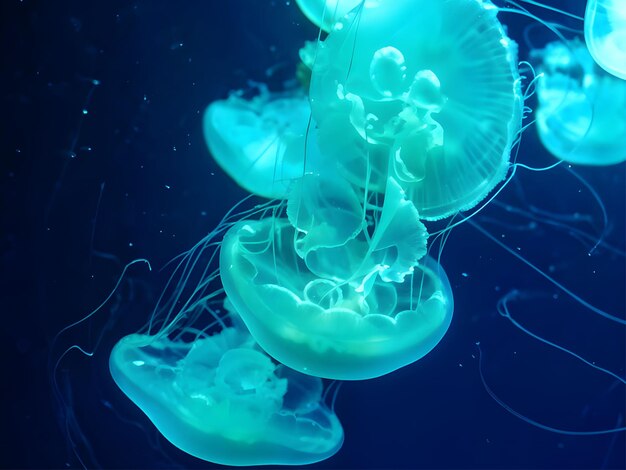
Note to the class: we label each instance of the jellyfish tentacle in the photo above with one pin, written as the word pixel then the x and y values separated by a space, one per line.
pixel 531 421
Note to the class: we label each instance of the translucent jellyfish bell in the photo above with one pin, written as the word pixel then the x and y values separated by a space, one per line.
pixel 581 116
pixel 325 13
pixel 348 330
pixel 605 34
pixel 223 400
pixel 260 142
pixel 424 91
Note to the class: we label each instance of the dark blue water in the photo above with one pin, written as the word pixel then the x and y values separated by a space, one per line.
pixel 94 176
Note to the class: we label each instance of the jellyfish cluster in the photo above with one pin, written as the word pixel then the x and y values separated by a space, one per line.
pixel 405 112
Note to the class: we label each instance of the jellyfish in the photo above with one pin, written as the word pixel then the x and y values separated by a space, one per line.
pixel 320 324
pixel 325 13
pixel 222 399
pixel 339 278
pixel 581 116
pixel 605 35
pixel 260 141
pixel 426 92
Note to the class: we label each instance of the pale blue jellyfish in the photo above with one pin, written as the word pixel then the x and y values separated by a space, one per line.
pixel 325 13
pixel 581 117
pixel 260 142
pixel 426 92
pixel 334 314
pixel 605 34
pixel 222 399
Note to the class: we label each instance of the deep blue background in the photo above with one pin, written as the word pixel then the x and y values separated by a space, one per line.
pixel 84 194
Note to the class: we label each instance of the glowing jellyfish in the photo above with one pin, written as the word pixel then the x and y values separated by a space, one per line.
pixel 425 92
pixel 325 13
pixel 260 142
pixel 325 326
pixel 581 116
pixel 223 400
pixel 605 34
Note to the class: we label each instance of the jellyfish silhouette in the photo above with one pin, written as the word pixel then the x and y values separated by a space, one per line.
pixel 581 117
pixel 605 35
pixel 426 92
pixel 222 399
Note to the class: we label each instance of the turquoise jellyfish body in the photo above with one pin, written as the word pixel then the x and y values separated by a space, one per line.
pixel 581 116
pixel 221 399
pixel 329 258
pixel 325 13
pixel 416 115
pixel 303 313
pixel 425 92
pixel 260 142
pixel 605 34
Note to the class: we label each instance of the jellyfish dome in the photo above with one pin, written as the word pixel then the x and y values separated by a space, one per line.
pixel 581 116
pixel 260 141
pixel 605 34
pixel 325 13
pixel 311 312
pixel 223 400
pixel 425 92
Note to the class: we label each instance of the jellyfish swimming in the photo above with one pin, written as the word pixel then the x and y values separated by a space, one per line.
pixel 260 141
pixel 325 326
pixel 412 111
pixel 605 35
pixel 581 115
pixel 222 399
pixel 426 92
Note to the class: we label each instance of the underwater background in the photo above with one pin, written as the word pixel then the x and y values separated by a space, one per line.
pixel 103 162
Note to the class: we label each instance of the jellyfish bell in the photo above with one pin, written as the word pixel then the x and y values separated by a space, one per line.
pixel 322 326
pixel 223 400
pixel 325 13
pixel 581 116
pixel 605 35
pixel 260 141
pixel 426 92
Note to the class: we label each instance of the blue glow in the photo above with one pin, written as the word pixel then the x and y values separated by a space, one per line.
pixel 107 167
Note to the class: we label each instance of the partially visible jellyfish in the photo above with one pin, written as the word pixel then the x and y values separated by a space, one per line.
pixel 222 399
pixel 425 92
pixel 581 116
pixel 605 34
pixel 260 142
pixel 304 313
pixel 325 13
